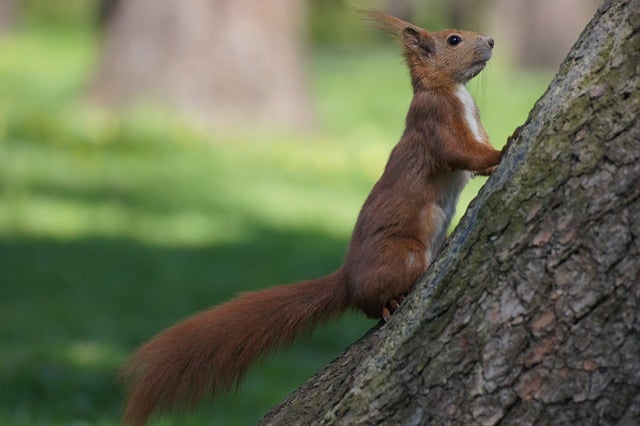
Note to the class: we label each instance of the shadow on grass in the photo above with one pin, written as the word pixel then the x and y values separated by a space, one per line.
pixel 72 310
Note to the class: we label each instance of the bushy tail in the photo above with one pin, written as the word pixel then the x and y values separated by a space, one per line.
pixel 209 352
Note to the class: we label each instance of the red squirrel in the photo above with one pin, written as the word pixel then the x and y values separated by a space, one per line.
pixel 399 230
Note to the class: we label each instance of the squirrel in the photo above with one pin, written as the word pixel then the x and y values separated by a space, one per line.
pixel 399 230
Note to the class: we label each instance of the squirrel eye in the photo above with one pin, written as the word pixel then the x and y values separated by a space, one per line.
pixel 454 40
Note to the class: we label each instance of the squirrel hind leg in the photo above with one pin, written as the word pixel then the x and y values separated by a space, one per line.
pixel 397 267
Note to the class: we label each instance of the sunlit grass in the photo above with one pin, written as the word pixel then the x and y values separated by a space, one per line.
pixel 113 226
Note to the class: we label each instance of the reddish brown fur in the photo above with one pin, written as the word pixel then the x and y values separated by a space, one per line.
pixel 399 230
pixel 211 351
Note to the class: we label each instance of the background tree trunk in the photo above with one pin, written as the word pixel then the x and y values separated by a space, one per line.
pixel 231 62
pixel 531 313
pixel 538 33
pixel 107 10
pixel 7 15
pixel 403 9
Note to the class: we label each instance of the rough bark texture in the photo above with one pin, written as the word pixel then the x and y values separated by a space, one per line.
pixel 229 62
pixel 531 313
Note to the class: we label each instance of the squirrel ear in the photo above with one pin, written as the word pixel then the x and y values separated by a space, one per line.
pixel 416 41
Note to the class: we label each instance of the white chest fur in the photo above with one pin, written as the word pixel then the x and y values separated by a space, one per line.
pixel 444 208
pixel 470 112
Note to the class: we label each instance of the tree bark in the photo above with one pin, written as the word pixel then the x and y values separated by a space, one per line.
pixel 229 62
pixel 531 313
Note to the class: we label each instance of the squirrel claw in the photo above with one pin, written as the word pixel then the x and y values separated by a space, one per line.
pixel 386 315
pixel 391 307
pixel 487 172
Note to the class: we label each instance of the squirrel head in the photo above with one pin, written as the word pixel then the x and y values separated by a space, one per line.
pixel 437 59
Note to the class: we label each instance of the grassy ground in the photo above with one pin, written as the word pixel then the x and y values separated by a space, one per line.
pixel 113 227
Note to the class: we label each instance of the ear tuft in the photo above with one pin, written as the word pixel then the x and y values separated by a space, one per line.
pixel 411 37
pixel 384 21
pixel 414 38
pixel 417 41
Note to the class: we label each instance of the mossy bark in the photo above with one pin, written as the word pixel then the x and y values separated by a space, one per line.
pixel 531 313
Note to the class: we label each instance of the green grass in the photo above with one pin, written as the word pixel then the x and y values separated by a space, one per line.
pixel 115 226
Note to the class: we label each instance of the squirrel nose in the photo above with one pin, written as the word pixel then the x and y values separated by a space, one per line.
pixel 491 42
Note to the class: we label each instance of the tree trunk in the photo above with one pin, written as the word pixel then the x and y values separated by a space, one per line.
pixel 539 33
pixel 469 13
pixel 231 62
pixel 531 313
pixel 107 11
pixel 7 15
pixel 403 9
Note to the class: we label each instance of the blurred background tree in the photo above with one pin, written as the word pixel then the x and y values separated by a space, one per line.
pixel 230 62
pixel 539 33
pixel 7 14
